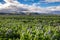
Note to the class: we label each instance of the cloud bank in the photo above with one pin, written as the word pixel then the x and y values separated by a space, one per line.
pixel 12 6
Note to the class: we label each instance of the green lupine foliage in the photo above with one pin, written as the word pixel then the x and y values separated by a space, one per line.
pixel 18 27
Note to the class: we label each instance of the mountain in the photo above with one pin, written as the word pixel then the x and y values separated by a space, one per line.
pixel 55 12
pixel 29 13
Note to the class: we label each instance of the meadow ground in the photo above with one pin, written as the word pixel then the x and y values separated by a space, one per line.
pixel 23 27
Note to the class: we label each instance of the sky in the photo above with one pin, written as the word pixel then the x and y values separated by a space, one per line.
pixel 41 6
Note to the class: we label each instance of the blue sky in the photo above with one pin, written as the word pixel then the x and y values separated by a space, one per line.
pixel 42 2
pixel 29 5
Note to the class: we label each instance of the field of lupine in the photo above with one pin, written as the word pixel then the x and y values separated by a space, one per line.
pixel 18 27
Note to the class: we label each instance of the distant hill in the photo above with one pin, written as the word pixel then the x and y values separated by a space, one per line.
pixel 56 12
pixel 32 13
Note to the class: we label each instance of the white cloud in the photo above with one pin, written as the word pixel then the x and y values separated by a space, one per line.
pixel 54 8
pixel 15 6
pixel 12 6
pixel 52 0
pixel 11 1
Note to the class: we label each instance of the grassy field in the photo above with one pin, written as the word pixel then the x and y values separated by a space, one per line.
pixel 23 27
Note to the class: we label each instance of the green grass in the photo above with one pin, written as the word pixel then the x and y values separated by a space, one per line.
pixel 18 27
